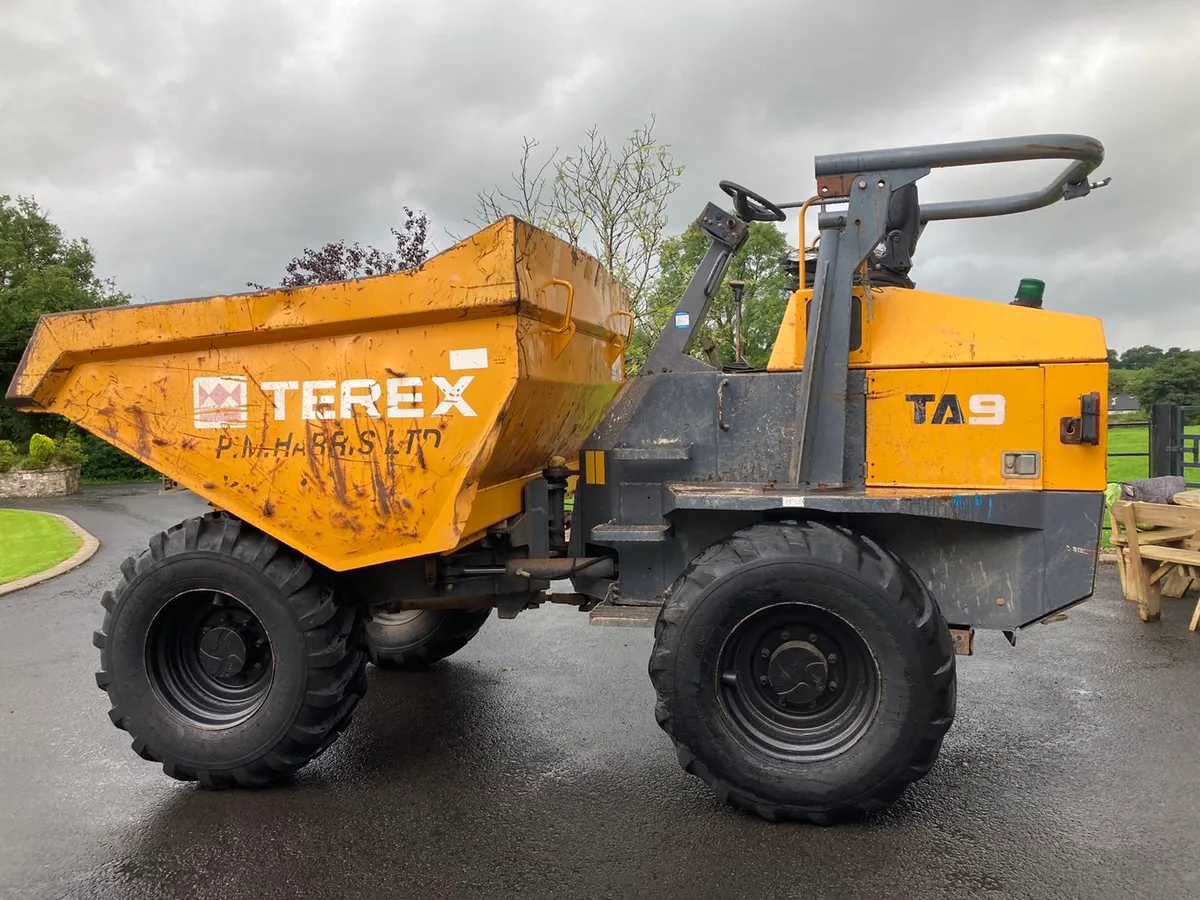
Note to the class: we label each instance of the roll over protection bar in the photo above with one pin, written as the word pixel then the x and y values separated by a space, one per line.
pixel 836 171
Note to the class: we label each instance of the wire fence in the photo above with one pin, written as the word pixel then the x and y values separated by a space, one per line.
pixel 1140 423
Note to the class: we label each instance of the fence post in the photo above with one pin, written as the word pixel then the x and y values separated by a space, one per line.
pixel 1166 428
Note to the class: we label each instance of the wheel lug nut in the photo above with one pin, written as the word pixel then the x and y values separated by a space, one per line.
pixel 833 685
pixel 256 666
pixel 812 638
pixel 832 658
pixel 764 680
pixel 765 653
pixel 784 636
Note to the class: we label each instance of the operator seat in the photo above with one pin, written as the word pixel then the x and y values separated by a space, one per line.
pixel 891 261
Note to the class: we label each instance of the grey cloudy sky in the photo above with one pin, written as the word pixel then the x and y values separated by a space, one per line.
pixel 201 145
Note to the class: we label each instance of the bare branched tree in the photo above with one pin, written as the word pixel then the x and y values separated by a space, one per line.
pixel 609 201
pixel 529 201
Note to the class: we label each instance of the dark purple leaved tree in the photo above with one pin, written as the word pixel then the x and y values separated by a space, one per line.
pixel 339 261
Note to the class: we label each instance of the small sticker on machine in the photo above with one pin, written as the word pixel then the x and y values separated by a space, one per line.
pixel 468 359
pixel 682 320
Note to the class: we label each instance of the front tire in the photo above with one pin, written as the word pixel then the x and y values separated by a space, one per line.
pixel 416 639
pixel 803 673
pixel 227 656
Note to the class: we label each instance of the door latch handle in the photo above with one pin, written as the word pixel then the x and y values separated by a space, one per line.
pixel 1084 428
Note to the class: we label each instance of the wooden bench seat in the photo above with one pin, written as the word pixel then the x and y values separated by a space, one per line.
pixel 1170 554
pixel 1161 561
pixel 1157 536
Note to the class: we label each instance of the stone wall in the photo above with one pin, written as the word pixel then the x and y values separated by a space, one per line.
pixel 44 483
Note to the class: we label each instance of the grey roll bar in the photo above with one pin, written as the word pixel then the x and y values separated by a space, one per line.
pixel 835 171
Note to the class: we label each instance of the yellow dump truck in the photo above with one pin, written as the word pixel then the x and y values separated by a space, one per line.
pixel 387 460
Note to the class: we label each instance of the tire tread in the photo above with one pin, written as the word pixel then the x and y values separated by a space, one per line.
pixel 337 657
pixel 873 564
pixel 455 630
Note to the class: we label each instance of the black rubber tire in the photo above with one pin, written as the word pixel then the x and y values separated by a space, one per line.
pixel 318 667
pixel 879 597
pixel 419 643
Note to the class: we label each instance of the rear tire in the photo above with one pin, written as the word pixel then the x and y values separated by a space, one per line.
pixel 227 656
pixel 803 673
pixel 416 639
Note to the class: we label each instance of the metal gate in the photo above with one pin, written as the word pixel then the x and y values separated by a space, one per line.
pixel 1175 442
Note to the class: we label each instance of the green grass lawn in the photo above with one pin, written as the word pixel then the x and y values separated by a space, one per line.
pixel 1133 439
pixel 32 542
pixel 1136 439
pixel 145 479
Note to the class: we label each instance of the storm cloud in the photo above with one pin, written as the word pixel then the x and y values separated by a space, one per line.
pixel 201 146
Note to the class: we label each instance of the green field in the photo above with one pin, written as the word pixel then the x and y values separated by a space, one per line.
pixel 32 542
pixel 1135 439
pixel 1130 439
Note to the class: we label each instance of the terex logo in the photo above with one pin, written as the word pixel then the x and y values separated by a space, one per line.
pixel 985 409
pixel 221 401
pixel 395 398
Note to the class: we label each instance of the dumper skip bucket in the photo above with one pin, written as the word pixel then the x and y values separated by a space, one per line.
pixel 359 422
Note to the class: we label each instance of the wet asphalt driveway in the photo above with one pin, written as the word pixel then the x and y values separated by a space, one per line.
pixel 530 766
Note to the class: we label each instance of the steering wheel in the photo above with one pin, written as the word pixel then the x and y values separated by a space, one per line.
pixel 752 207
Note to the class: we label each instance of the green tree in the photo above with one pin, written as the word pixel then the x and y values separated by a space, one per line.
pixel 1175 379
pixel 764 298
pixel 1126 381
pixel 1141 357
pixel 43 271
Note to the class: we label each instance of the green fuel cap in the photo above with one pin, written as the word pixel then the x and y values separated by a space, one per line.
pixel 1030 291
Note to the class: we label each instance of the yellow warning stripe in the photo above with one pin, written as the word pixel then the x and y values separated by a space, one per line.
pixel 593 466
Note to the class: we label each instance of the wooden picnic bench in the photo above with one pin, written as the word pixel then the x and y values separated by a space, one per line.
pixel 1158 553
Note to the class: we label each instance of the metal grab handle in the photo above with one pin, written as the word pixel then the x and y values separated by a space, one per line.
pixel 568 323
pixel 803 211
pixel 628 339
pixel 835 171
pixel 561 336
pixel 623 343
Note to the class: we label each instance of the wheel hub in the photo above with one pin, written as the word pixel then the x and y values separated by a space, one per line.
pixel 223 652
pixel 797 680
pixel 209 658
pixel 798 672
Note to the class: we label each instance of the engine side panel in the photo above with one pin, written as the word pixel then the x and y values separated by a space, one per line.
pixel 951 428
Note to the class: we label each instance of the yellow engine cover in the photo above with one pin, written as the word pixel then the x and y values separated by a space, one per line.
pixel 968 394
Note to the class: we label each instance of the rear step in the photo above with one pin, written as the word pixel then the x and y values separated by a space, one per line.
pixel 618 534
pixel 616 614
pixel 658 452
